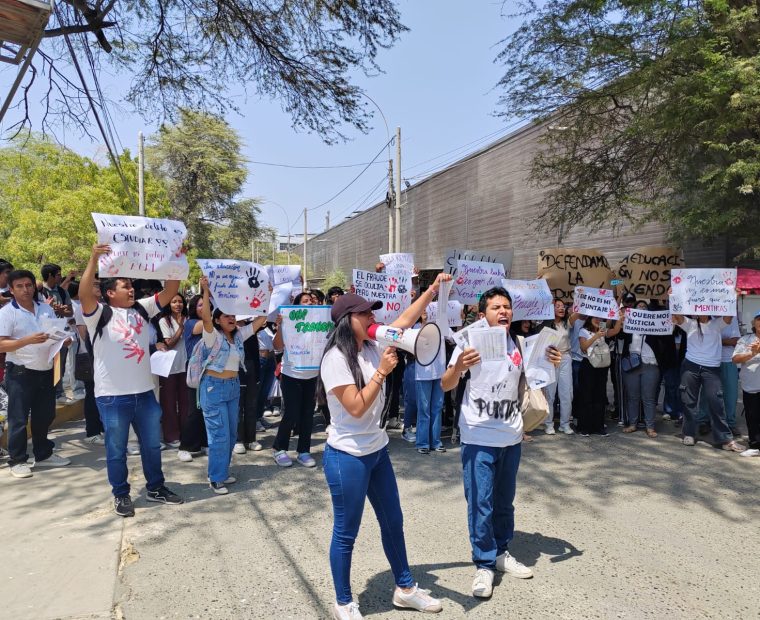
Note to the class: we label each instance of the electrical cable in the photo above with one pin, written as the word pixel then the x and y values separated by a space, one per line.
pixel 268 163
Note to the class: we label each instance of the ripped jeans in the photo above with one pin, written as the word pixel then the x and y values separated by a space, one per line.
pixel 694 377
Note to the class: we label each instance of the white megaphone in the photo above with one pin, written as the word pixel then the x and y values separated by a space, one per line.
pixel 423 343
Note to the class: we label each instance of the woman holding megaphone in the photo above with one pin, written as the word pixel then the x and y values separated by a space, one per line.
pixel 356 460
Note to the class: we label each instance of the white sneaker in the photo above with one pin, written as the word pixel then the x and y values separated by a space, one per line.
pixel 255 446
pixel 418 599
pixel 347 612
pixel 276 412
pixel 53 461
pixel 95 440
pixel 394 423
pixel 268 413
pixel 482 585
pixel 750 452
pixel 239 448
pixel 174 444
pixel 228 480
pixel 184 456
pixel 133 449
pixel 566 429
pixel 4 454
pixel 549 429
pixel 508 564
pixel 21 470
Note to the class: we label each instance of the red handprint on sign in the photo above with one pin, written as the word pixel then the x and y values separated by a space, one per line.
pixel 257 300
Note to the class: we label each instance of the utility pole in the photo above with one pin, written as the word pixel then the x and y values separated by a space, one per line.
pixel 305 238
pixel 327 221
pixel 141 173
pixel 398 190
pixel 274 247
pixel 389 200
pixel 253 250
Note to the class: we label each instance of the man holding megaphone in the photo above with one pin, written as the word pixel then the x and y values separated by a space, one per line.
pixel 356 461
pixel 491 430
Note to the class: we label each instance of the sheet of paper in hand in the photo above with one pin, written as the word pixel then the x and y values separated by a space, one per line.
pixel 462 337
pixel 703 292
pixel 539 371
pixel 490 343
pixel 304 332
pixel 394 290
pixel 531 299
pixel 474 278
pixel 56 329
pixel 598 302
pixel 238 287
pixel 142 247
pixel 161 362
pixel 647 322
pixel 398 263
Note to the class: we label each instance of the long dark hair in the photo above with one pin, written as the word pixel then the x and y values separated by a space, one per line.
pixel 166 311
pixel 342 337
pixel 192 307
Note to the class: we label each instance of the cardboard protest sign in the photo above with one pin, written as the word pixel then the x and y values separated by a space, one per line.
pixel 394 290
pixel 453 313
pixel 304 333
pixel 596 302
pixel 398 262
pixel 705 292
pixel 645 272
pixel 566 268
pixel 238 287
pixel 142 247
pixel 531 299
pixel 474 278
pixel 647 322
pixel 502 257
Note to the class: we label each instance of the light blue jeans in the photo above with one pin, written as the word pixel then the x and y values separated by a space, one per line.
pixel 220 401
pixel 729 381
pixel 429 413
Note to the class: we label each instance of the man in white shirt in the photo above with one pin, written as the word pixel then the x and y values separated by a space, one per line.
pixel 29 375
pixel 120 336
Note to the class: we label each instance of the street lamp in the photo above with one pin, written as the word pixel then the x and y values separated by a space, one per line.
pixel 287 220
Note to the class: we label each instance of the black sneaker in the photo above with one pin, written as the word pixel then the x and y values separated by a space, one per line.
pixel 123 506
pixel 164 496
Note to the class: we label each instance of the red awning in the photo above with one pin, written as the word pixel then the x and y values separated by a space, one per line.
pixel 748 279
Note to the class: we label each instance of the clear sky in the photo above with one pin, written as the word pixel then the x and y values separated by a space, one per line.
pixel 438 86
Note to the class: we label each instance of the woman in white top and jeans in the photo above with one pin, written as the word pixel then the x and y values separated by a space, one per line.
pixel 701 370
pixel 356 461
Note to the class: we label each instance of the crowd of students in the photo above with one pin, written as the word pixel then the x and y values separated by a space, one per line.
pixel 228 374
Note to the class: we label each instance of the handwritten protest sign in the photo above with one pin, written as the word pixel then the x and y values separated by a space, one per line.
pixel 453 313
pixel 280 274
pixel 398 263
pixel 595 302
pixel 645 272
pixel 238 287
pixel 566 268
pixel 531 299
pixel 647 322
pixel 501 257
pixel 474 278
pixel 141 247
pixel 705 292
pixel 304 333
pixel 281 296
pixel 394 290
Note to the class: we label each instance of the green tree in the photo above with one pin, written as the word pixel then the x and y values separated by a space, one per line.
pixel 653 112
pixel 201 163
pixel 335 278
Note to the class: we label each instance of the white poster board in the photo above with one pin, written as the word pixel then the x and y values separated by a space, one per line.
pixel 453 313
pixel 399 262
pixel 598 302
pixel 703 292
pixel 282 274
pixel 393 290
pixel 282 295
pixel 539 371
pixel 238 287
pixel 141 247
pixel 304 333
pixel 474 278
pixel 531 299
pixel 502 257
pixel 648 322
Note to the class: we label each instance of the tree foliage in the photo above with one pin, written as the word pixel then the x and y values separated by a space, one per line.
pixel 188 53
pixel 202 166
pixel 47 195
pixel 653 109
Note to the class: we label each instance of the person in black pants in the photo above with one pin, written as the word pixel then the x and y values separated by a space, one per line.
pixel 249 391
pixel 747 353
pixel 192 434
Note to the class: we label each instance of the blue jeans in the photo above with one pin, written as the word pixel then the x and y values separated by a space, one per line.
pixel 352 479
pixel 429 412
pixel 144 413
pixel 410 396
pixel 490 480
pixel 729 380
pixel 220 401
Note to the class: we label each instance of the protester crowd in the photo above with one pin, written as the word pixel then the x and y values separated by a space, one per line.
pixel 229 381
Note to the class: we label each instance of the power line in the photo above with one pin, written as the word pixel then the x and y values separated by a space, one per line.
pixel 268 163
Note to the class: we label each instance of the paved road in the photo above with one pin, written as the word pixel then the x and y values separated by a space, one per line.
pixel 623 527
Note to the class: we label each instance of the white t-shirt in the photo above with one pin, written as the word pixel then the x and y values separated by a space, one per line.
pixel 729 331
pixel 357 436
pixel 168 329
pixel 15 322
pixel 750 371
pixel 703 344
pixel 122 358
pixel 233 359
pixel 584 333
pixel 266 340
pixel 490 414
pixel 639 345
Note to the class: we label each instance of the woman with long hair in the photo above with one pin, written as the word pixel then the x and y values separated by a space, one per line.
pixel 299 389
pixel 170 323
pixel 192 434
pixel 356 461
pixel 564 383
